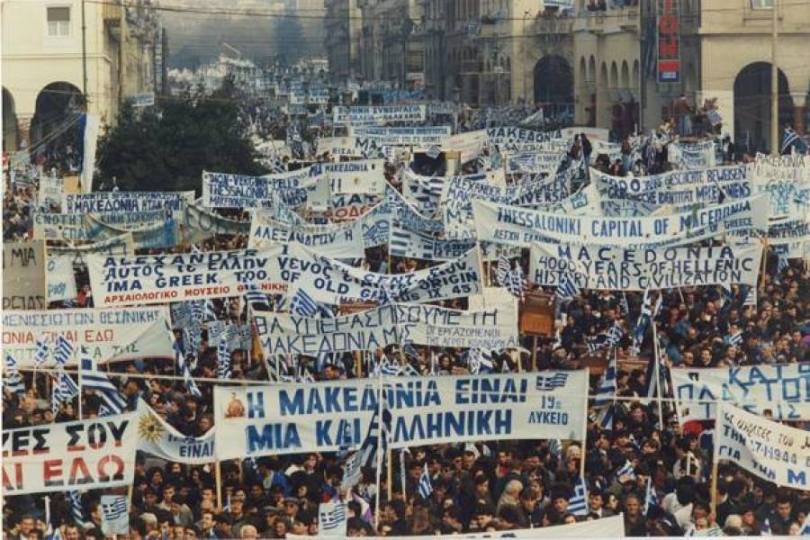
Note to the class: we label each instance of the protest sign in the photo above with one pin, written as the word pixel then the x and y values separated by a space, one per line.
pixel 50 191
pixel 198 224
pixel 376 224
pixel 408 216
pixel 123 244
pixel 789 238
pixel 325 416
pixel 699 155
pixel 508 135
pixel 613 268
pixel 469 144
pixel 459 192
pixel 223 190
pixel 604 527
pixel 159 279
pixel 620 187
pixel 404 243
pixel 519 226
pixel 107 334
pixel 378 114
pixel 61 278
pixel 159 438
pixel 24 275
pixel 125 201
pixel 89 454
pixel 333 282
pixel 359 176
pixel 350 206
pixel 281 333
pixel 788 198
pixel 131 221
pixel 343 240
pixel 768 449
pixel 420 137
pixel 782 389
pixel 534 163
pixel 65 227
pixel 793 167
pixel 338 147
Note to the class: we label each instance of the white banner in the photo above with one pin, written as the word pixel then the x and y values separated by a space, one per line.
pixel 519 227
pixel 420 137
pixel 333 282
pixel 692 155
pixel 534 163
pixel 767 168
pixel 160 279
pixel 620 187
pixel 509 135
pixel 109 335
pixel 606 527
pixel 223 190
pixel 422 324
pixel 613 268
pixel 159 438
pixel 404 243
pixel 61 278
pixel 379 114
pixel 790 238
pixel 89 454
pixel 319 417
pixel 468 144
pixel 768 449
pixel 784 390
pixel 345 240
pixel 125 201
pixel 359 176
pixel 338 147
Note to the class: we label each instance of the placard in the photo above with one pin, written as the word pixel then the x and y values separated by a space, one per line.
pixel 24 271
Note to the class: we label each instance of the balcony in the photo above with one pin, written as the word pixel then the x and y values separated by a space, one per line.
pixel 111 14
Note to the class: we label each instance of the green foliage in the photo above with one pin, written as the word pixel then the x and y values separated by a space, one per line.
pixel 166 148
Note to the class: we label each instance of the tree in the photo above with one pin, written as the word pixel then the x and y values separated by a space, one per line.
pixel 166 148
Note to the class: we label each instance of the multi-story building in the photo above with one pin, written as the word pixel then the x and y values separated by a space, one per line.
pixel 343 25
pixel 56 53
pixel 392 42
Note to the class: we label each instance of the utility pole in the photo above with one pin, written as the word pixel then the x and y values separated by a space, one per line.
pixel 774 84
pixel 84 56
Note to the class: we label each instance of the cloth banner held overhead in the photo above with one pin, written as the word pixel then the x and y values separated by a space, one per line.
pixel 520 227
pixel 420 137
pixel 282 333
pixel 343 240
pixel 159 279
pixel 109 335
pixel 378 114
pixel 768 449
pixel 782 389
pixel 89 454
pixel 333 282
pixel 291 418
pixel 609 268
pixel 635 186
pixel 405 243
pixel 125 201
pixel 159 438
pixel 24 275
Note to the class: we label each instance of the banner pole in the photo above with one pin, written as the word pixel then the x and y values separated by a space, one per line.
pixel 584 430
pixel 389 474
pixel 657 360
pixel 218 478
pixel 714 473
pixel 379 452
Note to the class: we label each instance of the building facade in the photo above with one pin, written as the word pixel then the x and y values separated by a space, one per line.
pixel 49 64
pixel 392 42
pixel 342 38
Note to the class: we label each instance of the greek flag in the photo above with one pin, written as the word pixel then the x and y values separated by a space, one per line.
pixel 425 487
pixel 736 339
pixel 14 380
pixel 64 389
pixel 643 321
pixel 567 289
pixel 614 334
pixel 352 470
pixel 782 264
pixel 516 284
pixel 63 351
pixel 791 139
pixel 651 497
pixel 114 514
pixel 42 353
pixel 555 447
pixel 578 503
pixel 76 510
pixel 191 385
pixel 625 305
pixel 480 361
pixel 369 448
pixel 223 360
pixel 388 368
pixel 94 380
pixel 546 383
pixel 595 343
pixel 410 350
pixel 626 470
pixel 332 519
pixel 253 295
pixel 409 371
pixel 606 391
pixel 210 311
pixel 503 270
pixel 197 310
pixel 303 305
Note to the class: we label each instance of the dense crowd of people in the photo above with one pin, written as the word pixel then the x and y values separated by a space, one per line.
pixel 476 487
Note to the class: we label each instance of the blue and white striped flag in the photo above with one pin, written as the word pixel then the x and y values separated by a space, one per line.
pixel 14 380
pixel 425 486
pixel 643 322
pixel 370 448
pixel 516 284
pixel 76 509
pixel 114 514
pixel 63 351
pixel 791 140
pixel 254 295
pixel 736 339
pixel 42 353
pixel 805 530
pixel 578 503
pixel 568 288
pixel 782 263
pixel 64 389
pixel 210 311
pixel 303 305
pixel 651 497
pixel 352 470
pixel 182 365
pixel 332 519
pixel 626 470
pixel 480 361
pixel 503 270
pixel 94 380
pixel 389 368
pixel 197 310
pixel 223 360
pixel 615 334
pixel 606 391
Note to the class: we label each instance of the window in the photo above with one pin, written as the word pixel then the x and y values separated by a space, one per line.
pixel 58 21
pixel 761 4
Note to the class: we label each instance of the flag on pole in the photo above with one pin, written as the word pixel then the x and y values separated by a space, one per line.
pixel 578 503
pixel 352 470
pixel 63 351
pixel 182 365
pixel 651 497
pixel 94 380
pixel 567 288
pixel 14 380
pixel 425 487
pixel 76 509
pixel 42 353
pixel 253 294
pixel 332 519
pixel 223 360
pixel 64 389
pixel 503 270
pixel 303 305
pixel 626 470
pixel 114 514
pixel 606 393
